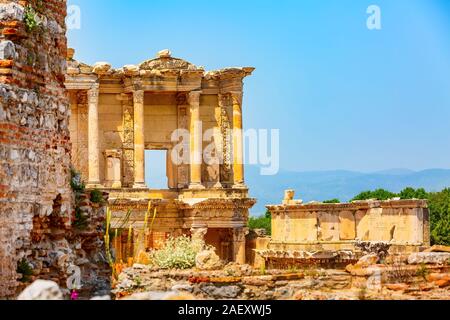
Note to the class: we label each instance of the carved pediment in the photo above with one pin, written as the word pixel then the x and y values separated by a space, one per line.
pixel 165 61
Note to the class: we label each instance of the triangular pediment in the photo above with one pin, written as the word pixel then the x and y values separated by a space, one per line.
pixel 165 61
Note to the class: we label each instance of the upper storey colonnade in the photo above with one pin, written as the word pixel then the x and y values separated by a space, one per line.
pixel 162 76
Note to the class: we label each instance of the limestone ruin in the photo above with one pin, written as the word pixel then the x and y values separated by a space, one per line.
pixel 56 111
pixel 117 114
pixel 36 199
pixel 402 223
pixel 319 231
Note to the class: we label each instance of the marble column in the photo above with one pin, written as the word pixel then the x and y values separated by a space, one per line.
pixel 196 142
pixel 239 235
pixel 238 142
pixel 93 138
pixel 139 140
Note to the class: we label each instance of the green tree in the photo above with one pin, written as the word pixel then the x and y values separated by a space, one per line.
pixel 411 193
pixel 332 201
pixel 439 206
pixel 379 194
pixel 261 222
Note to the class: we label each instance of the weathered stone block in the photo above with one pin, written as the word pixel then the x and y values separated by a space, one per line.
pixel 7 50
pixel 224 292
pixel 11 11
pixel 429 258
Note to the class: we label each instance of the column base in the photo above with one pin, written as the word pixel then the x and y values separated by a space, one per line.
pixel 240 186
pixel 218 185
pixel 116 185
pixel 139 186
pixel 196 186
pixel 94 185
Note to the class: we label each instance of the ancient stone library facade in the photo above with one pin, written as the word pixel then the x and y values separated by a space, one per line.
pixel 118 114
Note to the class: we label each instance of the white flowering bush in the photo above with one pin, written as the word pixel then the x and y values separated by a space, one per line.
pixel 178 253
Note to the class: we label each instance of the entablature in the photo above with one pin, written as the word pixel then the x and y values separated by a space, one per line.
pixel 162 74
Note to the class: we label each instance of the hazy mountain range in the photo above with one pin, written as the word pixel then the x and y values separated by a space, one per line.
pixel 343 185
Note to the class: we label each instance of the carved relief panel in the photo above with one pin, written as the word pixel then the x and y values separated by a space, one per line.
pixel 182 170
pixel 128 142
pixel 225 124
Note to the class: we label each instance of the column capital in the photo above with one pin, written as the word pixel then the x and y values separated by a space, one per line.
pixel 93 93
pixel 138 96
pixel 236 97
pixel 194 98
pixel 241 233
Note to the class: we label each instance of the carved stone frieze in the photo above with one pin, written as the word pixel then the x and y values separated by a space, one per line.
pixel 226 134
pixel 128 142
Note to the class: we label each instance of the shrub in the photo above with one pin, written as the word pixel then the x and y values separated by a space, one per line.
pixel 177 253
pixel 76 182
pixel 25 269
pixel 96 196
pixel 30 19
pixel 423 272
pixel 81 221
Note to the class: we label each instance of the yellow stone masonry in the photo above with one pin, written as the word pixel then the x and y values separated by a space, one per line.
pixel 317 226
pixel 118 114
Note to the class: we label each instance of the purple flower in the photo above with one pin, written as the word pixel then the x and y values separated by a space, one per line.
pixel 74 295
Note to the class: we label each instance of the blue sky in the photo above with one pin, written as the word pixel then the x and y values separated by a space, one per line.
pixel 344 97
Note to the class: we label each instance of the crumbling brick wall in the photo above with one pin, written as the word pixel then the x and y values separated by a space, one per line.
pixel 34 136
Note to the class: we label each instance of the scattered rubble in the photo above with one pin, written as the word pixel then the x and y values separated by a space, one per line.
pixel 208 260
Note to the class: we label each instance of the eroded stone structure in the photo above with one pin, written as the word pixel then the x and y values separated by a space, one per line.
pixel 118 114
pixel 319 227
pixel 34 134
pixel 39 238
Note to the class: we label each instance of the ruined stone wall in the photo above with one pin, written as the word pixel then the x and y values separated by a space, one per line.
pixel 375 282
pixel 34 135
pixel 404 224
pixel 72 254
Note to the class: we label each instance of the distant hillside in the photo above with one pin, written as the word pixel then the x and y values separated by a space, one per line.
pixel 344 185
